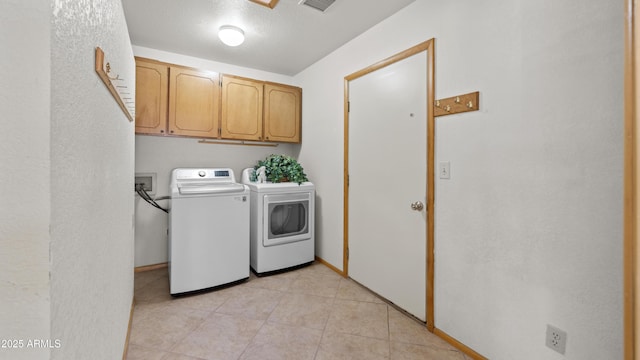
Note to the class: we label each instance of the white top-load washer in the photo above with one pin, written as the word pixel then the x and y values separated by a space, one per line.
pixel 208 229
pixel 282 224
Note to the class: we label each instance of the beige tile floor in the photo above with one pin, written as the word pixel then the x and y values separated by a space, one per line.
pixel 310 313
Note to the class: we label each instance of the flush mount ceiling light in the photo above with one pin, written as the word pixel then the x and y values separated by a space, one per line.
pixel 231 35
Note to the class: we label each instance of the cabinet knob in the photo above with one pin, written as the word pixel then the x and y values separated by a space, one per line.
pixel 161 131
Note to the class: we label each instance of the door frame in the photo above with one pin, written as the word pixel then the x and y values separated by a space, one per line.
pixel 631 193
pixel 429 47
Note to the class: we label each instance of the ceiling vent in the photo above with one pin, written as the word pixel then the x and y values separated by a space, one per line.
pixel 321 5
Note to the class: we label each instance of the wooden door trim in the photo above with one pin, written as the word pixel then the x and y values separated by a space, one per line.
pixel 429 47
pixel 631 194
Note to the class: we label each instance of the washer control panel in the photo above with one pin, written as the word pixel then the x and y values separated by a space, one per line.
pixel 217 174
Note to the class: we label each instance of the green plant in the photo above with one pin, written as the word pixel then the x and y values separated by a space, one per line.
pixel 281 168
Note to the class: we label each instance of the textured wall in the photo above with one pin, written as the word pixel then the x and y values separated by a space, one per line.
pixel 24 179
pixel 162 154
pixel 92 166
pixel 529 228
pixel 532 223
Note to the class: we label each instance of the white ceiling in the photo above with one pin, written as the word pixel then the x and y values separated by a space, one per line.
pixel 283 40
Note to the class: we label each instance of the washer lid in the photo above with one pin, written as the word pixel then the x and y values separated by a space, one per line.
pixel 200 189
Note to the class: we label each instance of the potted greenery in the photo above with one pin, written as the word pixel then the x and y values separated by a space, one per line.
pixel 280 168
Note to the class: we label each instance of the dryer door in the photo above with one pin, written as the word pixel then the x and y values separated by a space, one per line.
pixel 286 218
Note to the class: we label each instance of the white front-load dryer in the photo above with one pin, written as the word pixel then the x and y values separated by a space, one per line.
pixel 282 222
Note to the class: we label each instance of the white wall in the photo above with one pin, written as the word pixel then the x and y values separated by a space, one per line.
pixel 529 228
pixel 92 167
pixel 159 155
pixel 24 179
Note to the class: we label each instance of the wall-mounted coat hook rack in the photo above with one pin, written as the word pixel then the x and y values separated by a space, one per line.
pixel 457 104
pixel 120 92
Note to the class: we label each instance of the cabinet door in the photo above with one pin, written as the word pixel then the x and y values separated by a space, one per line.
pixel 241 108
pixel 151 97
pixel 194 102
pixel 282 113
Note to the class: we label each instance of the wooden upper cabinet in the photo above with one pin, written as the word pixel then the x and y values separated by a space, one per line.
pixel 282 113
pixel 241 108
pixel 194 102
pixel 151 97
pixel 180 101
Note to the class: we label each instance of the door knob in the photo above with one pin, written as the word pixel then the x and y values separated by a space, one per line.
pixel 417 206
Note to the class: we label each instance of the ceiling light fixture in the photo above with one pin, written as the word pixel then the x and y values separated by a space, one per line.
pixel 231 35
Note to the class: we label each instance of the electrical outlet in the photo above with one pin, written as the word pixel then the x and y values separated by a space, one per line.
pixel 148 181
pixel 556 339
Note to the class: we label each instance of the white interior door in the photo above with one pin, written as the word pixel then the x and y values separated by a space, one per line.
pixel 387 173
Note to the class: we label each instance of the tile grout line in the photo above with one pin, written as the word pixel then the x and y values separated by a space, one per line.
pixel 204 319
pixel 324 328
pixel 266 320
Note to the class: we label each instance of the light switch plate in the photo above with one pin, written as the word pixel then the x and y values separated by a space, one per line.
pixel 444 169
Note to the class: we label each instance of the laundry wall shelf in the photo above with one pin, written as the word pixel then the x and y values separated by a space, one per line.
pixel 457 104
pixel 117 86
